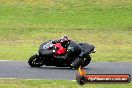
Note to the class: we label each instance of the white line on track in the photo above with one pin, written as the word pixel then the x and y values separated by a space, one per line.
pixel 27 79
pixel 6 60
pixel 7 78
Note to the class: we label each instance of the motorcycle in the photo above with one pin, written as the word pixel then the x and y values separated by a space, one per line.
pixel 74 59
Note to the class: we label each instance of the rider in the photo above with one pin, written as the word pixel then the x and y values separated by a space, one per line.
pixel 73 49
pixel 64 40
pixel 49 49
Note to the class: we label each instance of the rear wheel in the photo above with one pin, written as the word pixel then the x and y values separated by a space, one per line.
pixel 86 61
pixel 75 64
pixel 35 61
pixel 80 62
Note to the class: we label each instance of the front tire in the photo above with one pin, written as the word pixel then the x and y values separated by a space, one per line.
pixel 35 61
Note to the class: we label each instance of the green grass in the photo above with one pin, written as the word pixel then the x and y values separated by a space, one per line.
pixel 25 24
pixel 55 84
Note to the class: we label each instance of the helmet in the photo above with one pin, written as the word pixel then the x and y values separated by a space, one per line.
pixel 64 40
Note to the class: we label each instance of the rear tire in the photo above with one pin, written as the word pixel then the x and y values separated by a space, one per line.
pixel 75 64
pixel 35 61
pixel 78 62
pixel 86 61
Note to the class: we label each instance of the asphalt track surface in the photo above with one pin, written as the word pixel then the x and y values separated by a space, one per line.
pixel 21 69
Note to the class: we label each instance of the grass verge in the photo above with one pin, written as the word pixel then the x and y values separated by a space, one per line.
pixel 25 24
pixel 21 83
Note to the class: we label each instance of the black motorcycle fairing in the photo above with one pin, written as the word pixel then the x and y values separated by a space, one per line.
pixel 77 54
pixel 41 46
pixel 46 48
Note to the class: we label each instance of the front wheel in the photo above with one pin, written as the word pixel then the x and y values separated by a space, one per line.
pixel 35 61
